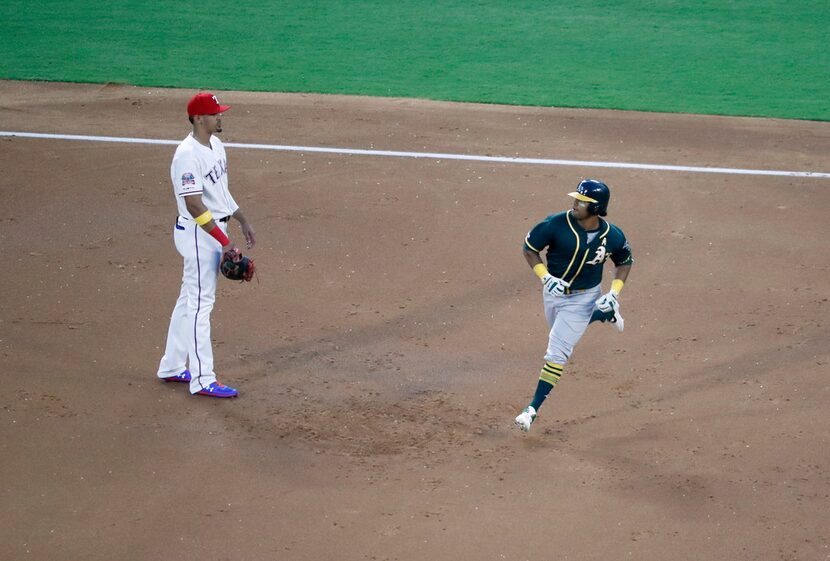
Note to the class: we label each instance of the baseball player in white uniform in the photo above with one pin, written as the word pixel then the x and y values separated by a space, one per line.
pixel 199 173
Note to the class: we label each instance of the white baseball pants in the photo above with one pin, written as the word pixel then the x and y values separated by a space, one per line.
pixel 188 338
pixel 568 317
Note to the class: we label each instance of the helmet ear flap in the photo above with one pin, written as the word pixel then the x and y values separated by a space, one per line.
pixel 600 192
pixel 598 209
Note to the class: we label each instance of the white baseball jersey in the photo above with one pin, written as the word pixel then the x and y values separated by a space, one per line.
pixel 199 170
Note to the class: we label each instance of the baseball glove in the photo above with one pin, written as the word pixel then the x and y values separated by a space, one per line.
pixel 236 266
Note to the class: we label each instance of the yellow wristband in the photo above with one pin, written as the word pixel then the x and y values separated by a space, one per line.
pixel 616 285
pixel 540 269
pixel 204 218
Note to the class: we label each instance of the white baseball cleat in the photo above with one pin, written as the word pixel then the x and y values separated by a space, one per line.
pixel 526 418
pixel 618 321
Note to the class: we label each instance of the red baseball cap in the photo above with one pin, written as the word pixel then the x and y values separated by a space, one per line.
pixel 205 104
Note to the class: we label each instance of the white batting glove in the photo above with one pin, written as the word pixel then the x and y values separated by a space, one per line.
pixel 608 302
pixel 554 286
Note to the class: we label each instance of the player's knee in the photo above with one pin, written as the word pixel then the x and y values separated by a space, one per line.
pixel 557 357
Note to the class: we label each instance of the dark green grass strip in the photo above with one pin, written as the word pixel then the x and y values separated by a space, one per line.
pixel 742 57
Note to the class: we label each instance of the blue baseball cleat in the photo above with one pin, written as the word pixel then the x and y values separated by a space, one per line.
pixel 218 390
pixel 184 377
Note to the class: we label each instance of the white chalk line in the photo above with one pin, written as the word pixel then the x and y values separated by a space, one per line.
pixel 433 155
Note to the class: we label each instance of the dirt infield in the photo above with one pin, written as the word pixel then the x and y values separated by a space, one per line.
pixel 395 332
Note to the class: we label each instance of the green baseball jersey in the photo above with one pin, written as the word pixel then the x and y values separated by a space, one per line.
pixel 574 254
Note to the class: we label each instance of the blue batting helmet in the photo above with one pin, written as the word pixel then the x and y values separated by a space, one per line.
pixel 594 192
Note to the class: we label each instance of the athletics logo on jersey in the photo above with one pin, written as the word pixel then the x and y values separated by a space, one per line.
pixel 188 179
pixel 599 257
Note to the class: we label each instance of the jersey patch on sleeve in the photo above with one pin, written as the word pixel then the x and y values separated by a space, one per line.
pixel 188 179
pixel 623 256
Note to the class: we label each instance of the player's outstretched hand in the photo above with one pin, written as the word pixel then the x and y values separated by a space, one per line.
pixel 554 285
pixel 608 302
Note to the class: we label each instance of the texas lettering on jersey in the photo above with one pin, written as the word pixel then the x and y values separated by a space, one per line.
pixel 220 169
pixel 202 170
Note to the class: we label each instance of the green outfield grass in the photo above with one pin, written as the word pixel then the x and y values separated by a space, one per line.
pixel 731 57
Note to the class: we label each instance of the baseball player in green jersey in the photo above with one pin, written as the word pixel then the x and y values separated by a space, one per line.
pixel 578 242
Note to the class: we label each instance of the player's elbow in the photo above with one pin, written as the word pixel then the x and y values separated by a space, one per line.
pixel 194 205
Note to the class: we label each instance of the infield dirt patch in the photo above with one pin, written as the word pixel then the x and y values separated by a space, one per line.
pixel 395 332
